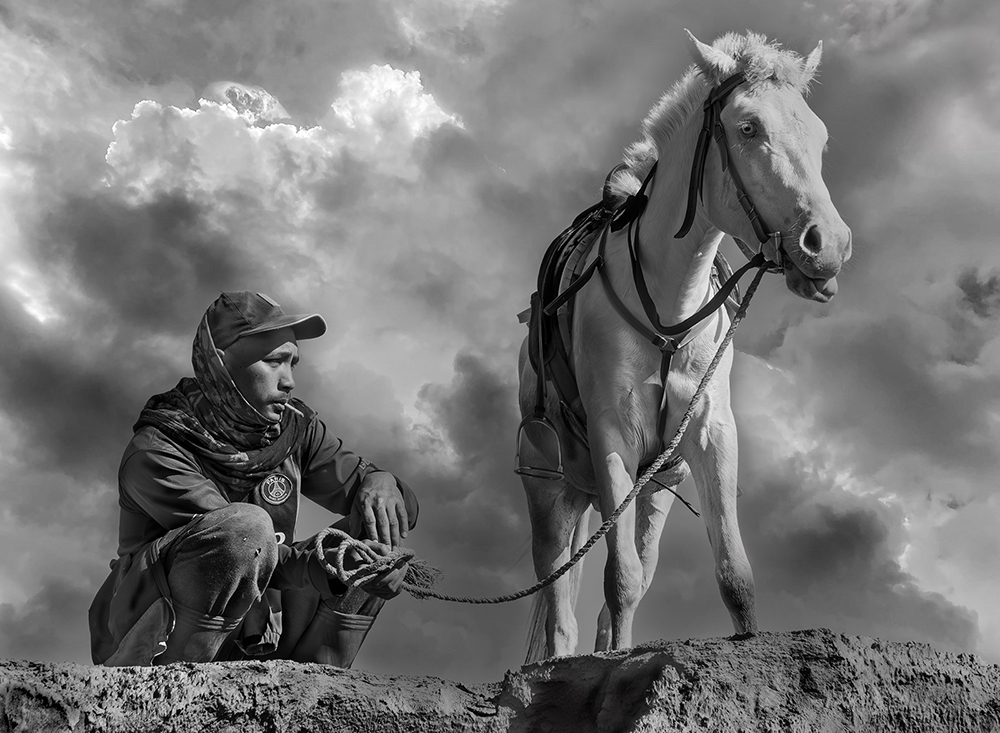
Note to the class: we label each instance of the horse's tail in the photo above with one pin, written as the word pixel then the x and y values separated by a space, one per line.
pixel 537 637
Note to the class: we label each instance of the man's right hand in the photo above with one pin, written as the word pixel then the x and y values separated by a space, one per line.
pixel 384 585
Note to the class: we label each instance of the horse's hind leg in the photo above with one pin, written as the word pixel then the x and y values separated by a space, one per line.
pixel 555 509
pixel 651 513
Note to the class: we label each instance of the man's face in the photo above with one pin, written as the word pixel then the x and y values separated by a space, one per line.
pixel 261 367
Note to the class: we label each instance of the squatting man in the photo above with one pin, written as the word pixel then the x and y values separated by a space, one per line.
pixel 209 486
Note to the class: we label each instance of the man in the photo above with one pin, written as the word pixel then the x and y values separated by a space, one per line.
pixel 207 568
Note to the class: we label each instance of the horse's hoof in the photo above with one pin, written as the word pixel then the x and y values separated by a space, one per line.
pixel 743 637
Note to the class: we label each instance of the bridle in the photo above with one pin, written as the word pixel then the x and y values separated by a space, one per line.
pixel 712 127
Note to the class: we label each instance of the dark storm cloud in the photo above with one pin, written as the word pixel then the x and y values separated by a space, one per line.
pixel 47 624
pixel 821 557
pixel 980 294
pixel 154 265
pixel 479 505
pixel 69 414
pixel 837 555
pixel 450 150
pixel 145 271
pixel 430 277
pixel 475 410
pixel 472 525
pixel 460 463
pixel 351 186
pixel 874 385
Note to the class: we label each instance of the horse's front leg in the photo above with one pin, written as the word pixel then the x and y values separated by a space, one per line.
pixel 651 509
pixel 712 453
pixel 614 468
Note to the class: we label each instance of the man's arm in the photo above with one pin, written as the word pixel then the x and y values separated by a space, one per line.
pixel 340 480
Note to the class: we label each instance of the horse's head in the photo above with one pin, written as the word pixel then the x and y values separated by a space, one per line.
pixel 776 144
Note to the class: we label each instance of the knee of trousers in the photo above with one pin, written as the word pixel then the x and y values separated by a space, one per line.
pixel 240 535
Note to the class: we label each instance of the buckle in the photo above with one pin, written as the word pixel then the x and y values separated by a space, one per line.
pixel 666 344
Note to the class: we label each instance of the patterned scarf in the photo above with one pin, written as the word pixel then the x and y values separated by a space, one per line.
pixel 208 416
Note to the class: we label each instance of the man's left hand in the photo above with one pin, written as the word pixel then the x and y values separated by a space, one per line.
pixel 379 509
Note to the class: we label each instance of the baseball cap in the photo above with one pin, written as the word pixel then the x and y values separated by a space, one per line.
pixel 234 315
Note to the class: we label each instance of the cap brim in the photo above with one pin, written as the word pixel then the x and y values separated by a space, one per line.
pixel 304 326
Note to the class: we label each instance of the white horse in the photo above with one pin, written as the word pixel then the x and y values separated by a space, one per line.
pixel 766 171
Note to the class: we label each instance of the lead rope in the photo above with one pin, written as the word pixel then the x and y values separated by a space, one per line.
pixel 418 583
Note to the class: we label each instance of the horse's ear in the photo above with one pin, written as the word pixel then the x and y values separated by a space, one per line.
pixel 812 62
pixel 716 65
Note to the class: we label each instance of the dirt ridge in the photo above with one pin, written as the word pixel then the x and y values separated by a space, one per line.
pixel 813 680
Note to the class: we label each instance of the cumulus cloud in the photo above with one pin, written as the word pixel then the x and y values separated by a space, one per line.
pixel 382 111
pixel 252 101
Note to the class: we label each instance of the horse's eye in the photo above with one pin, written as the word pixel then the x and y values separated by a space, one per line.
pixel 748 128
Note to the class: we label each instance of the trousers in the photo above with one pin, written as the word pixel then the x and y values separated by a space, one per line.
pixel 202 593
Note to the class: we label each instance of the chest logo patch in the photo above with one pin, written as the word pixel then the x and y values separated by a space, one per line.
pixel 276 489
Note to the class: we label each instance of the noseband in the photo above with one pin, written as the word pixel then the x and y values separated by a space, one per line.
pixel 712 127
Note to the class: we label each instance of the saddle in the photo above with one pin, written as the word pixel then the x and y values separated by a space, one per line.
pixel 549 319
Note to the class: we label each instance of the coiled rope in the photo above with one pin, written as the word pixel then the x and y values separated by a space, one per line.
pixel 420 577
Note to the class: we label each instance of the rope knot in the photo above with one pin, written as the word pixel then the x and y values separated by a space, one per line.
pixel 420 577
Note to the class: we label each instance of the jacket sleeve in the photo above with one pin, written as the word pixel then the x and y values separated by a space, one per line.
pixel 332 475
pixel 167 485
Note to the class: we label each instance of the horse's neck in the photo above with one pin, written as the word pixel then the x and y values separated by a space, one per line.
pixel 677 270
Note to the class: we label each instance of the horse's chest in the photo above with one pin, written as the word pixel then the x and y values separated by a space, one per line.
pixel 642 408
pixel 655 389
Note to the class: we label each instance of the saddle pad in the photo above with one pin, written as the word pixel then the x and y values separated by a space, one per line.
pixel 575 261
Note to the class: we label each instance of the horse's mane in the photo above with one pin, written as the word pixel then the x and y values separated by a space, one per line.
pixel 760 61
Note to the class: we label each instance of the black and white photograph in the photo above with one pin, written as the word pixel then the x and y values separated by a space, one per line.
pixel 499 365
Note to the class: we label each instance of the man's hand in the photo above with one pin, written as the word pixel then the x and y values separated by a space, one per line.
pixel 379 509
pixel 385 585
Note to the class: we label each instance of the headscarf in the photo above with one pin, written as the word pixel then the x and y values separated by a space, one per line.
pixel 208 416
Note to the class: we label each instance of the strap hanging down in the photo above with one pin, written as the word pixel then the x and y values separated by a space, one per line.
pixel 713 110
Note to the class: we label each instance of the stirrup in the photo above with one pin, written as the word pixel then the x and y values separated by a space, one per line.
pixel 541 433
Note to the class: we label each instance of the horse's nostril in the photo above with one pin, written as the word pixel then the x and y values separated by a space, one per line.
pixel 812 240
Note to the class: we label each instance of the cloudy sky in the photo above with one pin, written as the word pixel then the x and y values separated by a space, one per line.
pixel 429 151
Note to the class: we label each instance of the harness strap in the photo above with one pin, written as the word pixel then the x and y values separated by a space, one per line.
pixel 635 204
pixel 557 303
pixel 713 109
pixel 658 340
pixel 664 338
pixel 722 143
